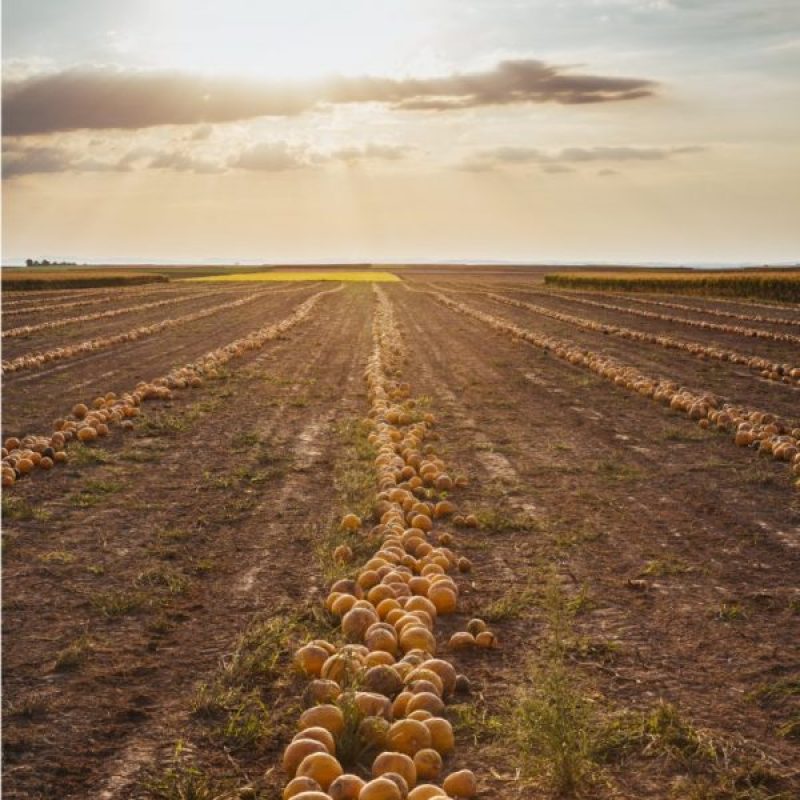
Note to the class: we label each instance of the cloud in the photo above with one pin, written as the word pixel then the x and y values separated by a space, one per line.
pixel 559 161
pixel 201 133
pixel 269 157
pixel 184 162
pixel 104 97
pixel 37 160
pixel 370 152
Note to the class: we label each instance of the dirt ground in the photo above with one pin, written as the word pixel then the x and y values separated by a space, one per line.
pixel 670 556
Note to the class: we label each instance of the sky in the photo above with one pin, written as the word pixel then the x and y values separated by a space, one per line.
pixel 603 131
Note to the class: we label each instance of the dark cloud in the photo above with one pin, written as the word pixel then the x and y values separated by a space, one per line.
pixel 102 98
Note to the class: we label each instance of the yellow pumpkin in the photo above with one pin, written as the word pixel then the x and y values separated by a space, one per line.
pixel 445 670
pixel 380 789
pixel 399 763
pixel 322 767
pixel 426 791
pixel 461 640
pixel 409 736
pixel 297 750
pixel 417 637
pixel 426 701
pixel 356 622
pixel 350 522
pixel 461 784
pixel 428 763
pixel 310 659
pixel 320 735
pixel 443 598
pixel 441 733
pixel 325 716
pixel 298 785
pixel 346 787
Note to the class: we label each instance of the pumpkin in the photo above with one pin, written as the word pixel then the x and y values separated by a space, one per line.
pixel 372 731
pixel 383 679
pixel 381 637
pixel 346 787
pixel 87 434
pixel 380 789
pixel 325 716
pixel 476 626
pixel 321 691
pixel 341 603
pixel 356 621
pixel 461 784
pixel 461 640
pixel 343 554
pixel 320 735
pixel 310 659
pixel 342 668
pixel 298 785
pixel 486 639
pixel 322 767
pixel 409 736
pixel 443 598
pixel 399 763
pixel 297 750
pixel 428 763
pixel 426 791
pixel 441 733
pixel 378 657
pixel 427 701
pixel 350 522
pixel 417 637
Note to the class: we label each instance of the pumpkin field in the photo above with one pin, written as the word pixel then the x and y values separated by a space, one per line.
pixel 404 534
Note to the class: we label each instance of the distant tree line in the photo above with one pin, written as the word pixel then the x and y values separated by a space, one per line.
pixel 30 262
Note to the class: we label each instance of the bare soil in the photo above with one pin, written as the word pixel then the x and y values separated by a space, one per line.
pixel 150 556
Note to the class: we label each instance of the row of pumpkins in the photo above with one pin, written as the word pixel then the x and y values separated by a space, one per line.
pixel 15 308
pixel 713 312
pixel 21 456
pixel 751 428
pixel 39 358
pixel 24 330
pixel 31 300
pixel 783 373
pixel 385 687
pixel 739 330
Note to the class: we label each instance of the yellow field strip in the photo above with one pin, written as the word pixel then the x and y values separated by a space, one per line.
pixel 362 276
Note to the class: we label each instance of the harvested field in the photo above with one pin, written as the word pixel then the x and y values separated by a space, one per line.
pixel 315 504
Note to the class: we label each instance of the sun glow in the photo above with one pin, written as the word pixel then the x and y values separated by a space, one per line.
pixel 296 41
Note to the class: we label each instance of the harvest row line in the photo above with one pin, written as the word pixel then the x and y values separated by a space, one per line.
pixel 710 326
pixel 24 330
pixel 378 697
pixel 85 423
pixel 33 298
pixel 784 373
pixel 15 308
pixel 714 312
pixel 751 428
pixel 39 358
